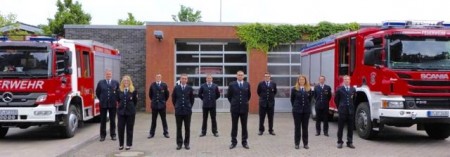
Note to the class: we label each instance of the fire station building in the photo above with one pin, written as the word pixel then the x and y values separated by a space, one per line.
pixel 197 49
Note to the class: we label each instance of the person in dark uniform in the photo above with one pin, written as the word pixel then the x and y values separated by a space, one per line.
pixel 159 94
pixel 126 112
pixel 266 90
pixel 322 95
pixel 106 92
pixel 238 95
pixel 301 95
pixel 183 99
pixel 209 93
pixel 344 99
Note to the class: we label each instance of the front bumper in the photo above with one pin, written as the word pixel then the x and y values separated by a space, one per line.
pixel 412 116
pixel 31 114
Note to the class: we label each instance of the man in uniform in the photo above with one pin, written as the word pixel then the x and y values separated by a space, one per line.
pixel 106 92
pixel 183 100
pixel 344 99
pixel 209 93
pixel 266 90
pixel 159 94
pixel 322 95
pixel 238 95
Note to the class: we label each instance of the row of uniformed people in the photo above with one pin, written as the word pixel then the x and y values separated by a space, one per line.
pixel 238 95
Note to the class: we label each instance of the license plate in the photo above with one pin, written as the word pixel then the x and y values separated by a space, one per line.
pixel 438 113
pixel 9 114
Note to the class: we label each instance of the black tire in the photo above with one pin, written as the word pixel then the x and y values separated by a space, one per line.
pixel 438 131
pixel 363 122
pixel 3 132
pixel 71 121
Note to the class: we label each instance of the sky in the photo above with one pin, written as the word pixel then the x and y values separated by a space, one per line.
pixel 107 12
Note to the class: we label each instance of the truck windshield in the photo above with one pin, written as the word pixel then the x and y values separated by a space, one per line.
pixel 24 62
pixel 419 53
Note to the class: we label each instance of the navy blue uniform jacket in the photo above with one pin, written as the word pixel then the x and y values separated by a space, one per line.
pixel 107 94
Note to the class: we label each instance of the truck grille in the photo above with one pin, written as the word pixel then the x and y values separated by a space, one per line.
pixel 429 83
pixel 20 99
pixel 428 103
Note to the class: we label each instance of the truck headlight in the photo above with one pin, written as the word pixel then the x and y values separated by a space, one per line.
pixel 41 98
pixel 393 104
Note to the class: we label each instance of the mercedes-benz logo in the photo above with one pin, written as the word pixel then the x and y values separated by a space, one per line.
pixel 7 97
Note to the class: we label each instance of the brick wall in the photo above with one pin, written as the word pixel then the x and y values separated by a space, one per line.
pixel 129 40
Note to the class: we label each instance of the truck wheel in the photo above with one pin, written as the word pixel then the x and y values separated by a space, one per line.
pixel 3 131
pixel 313 110
pixel 363 122
pixel 70 122
pixel 438 131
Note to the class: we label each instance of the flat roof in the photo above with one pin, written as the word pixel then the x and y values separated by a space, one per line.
pixel 186 24
pixel 105 26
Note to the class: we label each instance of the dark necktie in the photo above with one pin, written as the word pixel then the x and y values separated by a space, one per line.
pixel 267 84
pixel 182 87
pixel 209 85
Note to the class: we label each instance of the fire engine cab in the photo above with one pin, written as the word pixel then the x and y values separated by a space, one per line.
pixel 400 71
pixel 44 81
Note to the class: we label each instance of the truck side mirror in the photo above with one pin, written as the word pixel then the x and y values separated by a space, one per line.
pixel 68 61
pixel 368 44
pixel 372 56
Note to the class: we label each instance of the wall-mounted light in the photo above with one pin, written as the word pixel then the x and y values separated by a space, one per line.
pixel 158 34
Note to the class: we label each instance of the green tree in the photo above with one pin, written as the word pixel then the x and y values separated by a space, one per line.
pixel 68 13
pixel 6 20
pixel 130 21
pixel 10 20
pixel 187 14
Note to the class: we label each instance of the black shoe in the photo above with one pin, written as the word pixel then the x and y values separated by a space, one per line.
pixel 297 147
pixel 113 138
pixel 216 134
pixel 246 146
pixel 272 133
pixel 260 133
pixel 232 146
pixel 351 146
pixel 150 136
pixel 128 148
pixel 317 134
pixel 121 148
pixel 201 135
pixel 166 135
pixel 178 147
pixel 339 145
pixel 102 139
pixel 187 147
pixel 306 146
pixel 326 134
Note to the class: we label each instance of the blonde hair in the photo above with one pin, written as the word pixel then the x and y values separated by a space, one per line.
pixel 306 85
pixel 122 86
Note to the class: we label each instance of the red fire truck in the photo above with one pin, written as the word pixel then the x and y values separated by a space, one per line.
pixel 49 82
pixel 400 71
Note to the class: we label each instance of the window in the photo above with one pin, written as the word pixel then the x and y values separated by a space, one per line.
pixel 352 54
pixel 86 64
pixel 221 59
pixel 79 63
pixel 343 56
pixel 284 66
